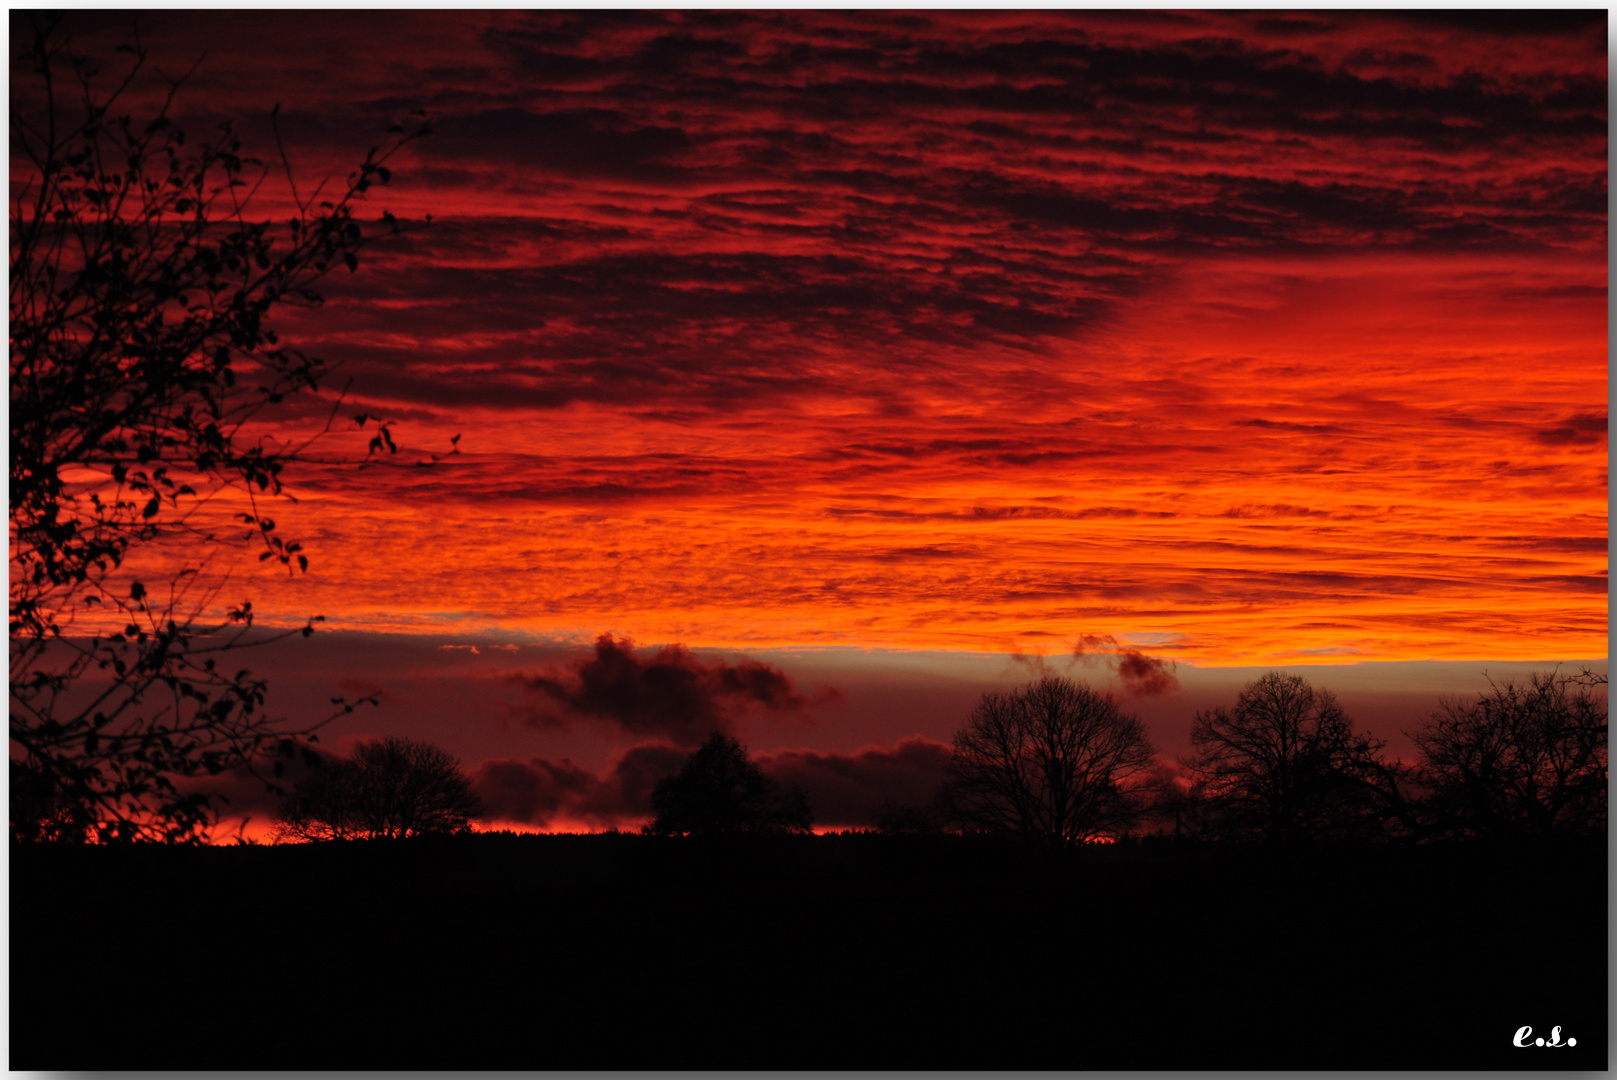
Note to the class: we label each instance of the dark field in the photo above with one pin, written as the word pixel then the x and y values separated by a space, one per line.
pixel 854 951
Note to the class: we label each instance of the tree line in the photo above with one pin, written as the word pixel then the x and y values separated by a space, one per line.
pixel 1060 764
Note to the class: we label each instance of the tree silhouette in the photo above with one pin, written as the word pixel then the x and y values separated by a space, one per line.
pixel 720 790
pixel 1052 761
pixel 141 359
pixel 908 819
pixel 389 788
pixel 1285 764
pixel 1526 758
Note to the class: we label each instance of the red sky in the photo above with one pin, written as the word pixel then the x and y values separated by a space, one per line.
pixel 1246 339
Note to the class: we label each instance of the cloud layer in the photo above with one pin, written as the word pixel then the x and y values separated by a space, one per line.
pixel 1264 336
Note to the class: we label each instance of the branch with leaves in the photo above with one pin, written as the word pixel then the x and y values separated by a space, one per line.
pixel 142 366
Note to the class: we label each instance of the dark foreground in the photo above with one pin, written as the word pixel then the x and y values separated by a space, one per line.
pixel 628 952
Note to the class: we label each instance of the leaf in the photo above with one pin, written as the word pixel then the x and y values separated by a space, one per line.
pixel 350 261
pixel 151 508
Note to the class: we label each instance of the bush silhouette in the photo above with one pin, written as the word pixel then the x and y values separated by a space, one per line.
pixel 391 788
pixel 720 791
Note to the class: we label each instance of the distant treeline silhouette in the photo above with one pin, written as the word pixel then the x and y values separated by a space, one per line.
pixel 1059 764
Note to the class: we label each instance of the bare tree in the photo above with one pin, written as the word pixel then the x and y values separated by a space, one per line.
pixel 1525 758
pixel 1052 761
pixel 389 788
pixel 1286 764
pixel 141 360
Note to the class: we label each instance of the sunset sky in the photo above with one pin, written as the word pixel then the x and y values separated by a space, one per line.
pixel 841 365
